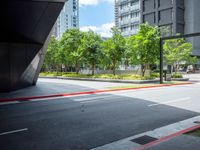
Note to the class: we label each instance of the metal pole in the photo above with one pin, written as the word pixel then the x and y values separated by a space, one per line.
pixel 161 61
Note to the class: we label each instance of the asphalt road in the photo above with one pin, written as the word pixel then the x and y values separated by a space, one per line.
pixel 85 122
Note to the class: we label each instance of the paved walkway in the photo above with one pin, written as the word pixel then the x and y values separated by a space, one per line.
pixel 170 137
pixel 57 86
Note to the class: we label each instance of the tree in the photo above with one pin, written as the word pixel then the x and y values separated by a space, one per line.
pixel 71 46
pixel 91 46
pixel 51 58
pixel 144 46
pixel 114 48
pixel 177 51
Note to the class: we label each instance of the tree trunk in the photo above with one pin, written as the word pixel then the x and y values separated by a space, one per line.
pixel 93 67
pixel 126 64
pixel 143 69
pixel 77 67
pixel 114 65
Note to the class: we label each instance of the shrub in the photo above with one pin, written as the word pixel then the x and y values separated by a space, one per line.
pixel 154 75
pixel 103 76
pixel 177 75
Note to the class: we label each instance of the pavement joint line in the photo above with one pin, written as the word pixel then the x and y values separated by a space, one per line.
pixel 14 131
pixel 169 102
pixel 86 93
pixel 162 134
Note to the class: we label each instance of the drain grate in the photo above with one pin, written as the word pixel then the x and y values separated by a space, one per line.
pixel 144 140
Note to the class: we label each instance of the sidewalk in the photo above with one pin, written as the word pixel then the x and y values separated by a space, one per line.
pixel 182 142
pixel 171 137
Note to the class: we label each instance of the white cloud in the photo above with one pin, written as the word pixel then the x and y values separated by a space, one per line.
pixel 93 2
pixel 103 30
pixel 88 2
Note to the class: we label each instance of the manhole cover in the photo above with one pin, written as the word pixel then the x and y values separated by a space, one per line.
pixel 197 122
pixel 144 140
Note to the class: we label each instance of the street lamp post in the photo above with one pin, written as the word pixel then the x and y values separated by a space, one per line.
pixel 161 61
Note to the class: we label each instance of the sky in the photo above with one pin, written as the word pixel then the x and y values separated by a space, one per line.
pixel 97 15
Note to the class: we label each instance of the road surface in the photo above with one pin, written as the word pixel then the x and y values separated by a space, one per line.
pixel 88 121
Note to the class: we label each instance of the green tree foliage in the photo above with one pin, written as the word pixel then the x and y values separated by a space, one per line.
pixel 70 45
pixel 114 48
pixel 177 51
pixel 144 46
pixel 91 46
pixel 51 58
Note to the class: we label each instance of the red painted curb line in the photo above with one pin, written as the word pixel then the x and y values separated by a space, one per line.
pixel 168 137
pixel 87 92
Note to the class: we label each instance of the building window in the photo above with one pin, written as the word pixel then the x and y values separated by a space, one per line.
pixel 143 5
pixel 135 3
pixel 134 26
pixel 159 16
pixel 135 14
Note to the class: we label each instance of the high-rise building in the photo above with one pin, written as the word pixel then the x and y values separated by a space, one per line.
pixel 127 16
pixel 177 16
pixel 68 18
pixel 168 14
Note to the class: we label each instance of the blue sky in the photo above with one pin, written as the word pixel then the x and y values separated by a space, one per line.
pixel 97 15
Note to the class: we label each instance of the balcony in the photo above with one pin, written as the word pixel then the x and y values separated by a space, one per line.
pixel 129 9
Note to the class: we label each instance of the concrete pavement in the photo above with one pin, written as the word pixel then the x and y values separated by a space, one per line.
pixel 56 86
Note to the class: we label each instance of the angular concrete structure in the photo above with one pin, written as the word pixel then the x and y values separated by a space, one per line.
pixel 25 28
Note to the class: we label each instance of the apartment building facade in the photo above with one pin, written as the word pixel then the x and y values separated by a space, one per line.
pixel 68 18
pixel 127 16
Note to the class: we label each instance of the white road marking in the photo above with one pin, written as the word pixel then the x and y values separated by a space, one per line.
pixel 90 101
pixel 172 101
pixel 7 103
pixel 14 131
pixel 91 98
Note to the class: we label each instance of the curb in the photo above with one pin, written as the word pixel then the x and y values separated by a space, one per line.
pixel 102 80
pixel 180 79
pixel 86 92
pixel 111 80
pixel 161 135
pixel 168 137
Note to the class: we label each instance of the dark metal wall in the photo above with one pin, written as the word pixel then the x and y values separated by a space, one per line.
pixel 25 27
pixel 192 23
pixel 162 13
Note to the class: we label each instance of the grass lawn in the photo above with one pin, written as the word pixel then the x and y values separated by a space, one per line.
pixel 195 133
pixel 144 85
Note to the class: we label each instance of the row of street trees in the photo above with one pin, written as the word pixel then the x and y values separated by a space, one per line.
pixel 78 49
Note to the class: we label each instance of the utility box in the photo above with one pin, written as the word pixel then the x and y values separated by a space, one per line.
pixel 168 77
